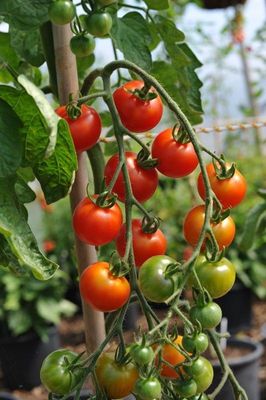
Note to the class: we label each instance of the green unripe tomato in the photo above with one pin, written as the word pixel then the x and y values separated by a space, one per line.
pixel 99 24
pixel 142 355
pixel 186 389
pixel 62 12
pixel 209 315
pixel 201 371
pixel 82 45
pixel 197 343
pixel 148 389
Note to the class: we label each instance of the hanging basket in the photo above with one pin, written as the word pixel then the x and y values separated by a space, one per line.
pixel 212 4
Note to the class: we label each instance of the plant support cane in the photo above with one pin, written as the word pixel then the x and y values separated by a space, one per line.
pixel 68 84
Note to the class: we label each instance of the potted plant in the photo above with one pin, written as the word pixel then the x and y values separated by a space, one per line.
pixel 29 313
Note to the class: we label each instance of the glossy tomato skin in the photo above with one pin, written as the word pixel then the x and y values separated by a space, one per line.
pixel 55 375
pixel 142 355
pixel 175 159
pixel 82 45
pixel 198 343
pixel 144 182
pixel 186 388
pixel 224 231
pixel 148 389
pixel 145 245
pixel 230 192
pixel 100 288
pixel 86 129
pixel 96 225
pixel 62 12
pixel 153 283
pixel 201 372
pixel 216 277
pixel 209 315
pixel 117 380
pixel 136 114
pixel 99 24
pixel 173 357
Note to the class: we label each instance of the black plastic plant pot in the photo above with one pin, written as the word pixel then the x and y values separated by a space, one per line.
pixel 84 395
pixel 233 303
pixel 7 396
pixel 21 358
pixel 245 367
pixel 213 4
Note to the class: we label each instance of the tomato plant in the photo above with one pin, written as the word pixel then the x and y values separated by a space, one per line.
pixel 102 289
pixel 96 225
pixel 118 380
pixel 82 45
pixel 85 129
pixel 62 12
pixel 144 181
pixel 230 192
pixel 154 279
pixel 145 245
pixel 216 277
pixel 137 114
pixel 224 231
pixel 148 389
pixel 99 24
pixel 57 375
pixel 175 159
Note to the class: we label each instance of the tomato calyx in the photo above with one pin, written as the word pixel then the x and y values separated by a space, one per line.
pixel 179 134
pixel 150 225
pixel 172 269
pixel 118 267
pixel 144 160
pixel 121 356
pixel 211 253
pixel 222 171
pixel 145 93
pixel 105 199
pixel 72 108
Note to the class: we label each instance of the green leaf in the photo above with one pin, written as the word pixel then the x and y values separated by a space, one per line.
pixel 18 235
pixel 66 308
pixel 27 45
pixel 8 259
pixel 171 37
pixel 132 37
pixel 48 309
pixel 35 134
pixel 19 322
pixel 25 14
pixel 24 193
pixel 56 174
pixel 157 4
pixel 11 144
pixel 252 222
pixel 8 55
pixel 106 118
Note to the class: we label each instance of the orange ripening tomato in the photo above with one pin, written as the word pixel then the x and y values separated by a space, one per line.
pixel 96 225
pixel 175 159
pixel 102 289
pixel 145 245
pixel 173 357
pixel 85 130
pixel 136 114
pixel 224 231
pixel 230 192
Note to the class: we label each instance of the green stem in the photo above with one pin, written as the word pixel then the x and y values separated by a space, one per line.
pixel 97 162
pixel 92 96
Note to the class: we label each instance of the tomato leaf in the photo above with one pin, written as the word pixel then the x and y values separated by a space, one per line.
pixel 25 14
pixel 27 45
pixel 18 235
pixel 56 174
pixel 19 321
pixel 23 191
pixel 251 225
pixel 8 55
pixel 157 4
pixel 132 37
pixel 11 144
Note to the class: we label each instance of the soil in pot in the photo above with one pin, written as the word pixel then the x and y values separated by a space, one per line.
pixel 21 358
pixel 233 303
pixel 212 4
pixel 243 356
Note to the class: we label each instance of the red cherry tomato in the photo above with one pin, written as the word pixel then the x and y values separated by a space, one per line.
pixel 136 114
pixel 86 129
pixel 96 225
pixel 230 192
pixel 174 158
pixel 145 245
pixel 224 231
pixel 144 182
pixel 102 289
